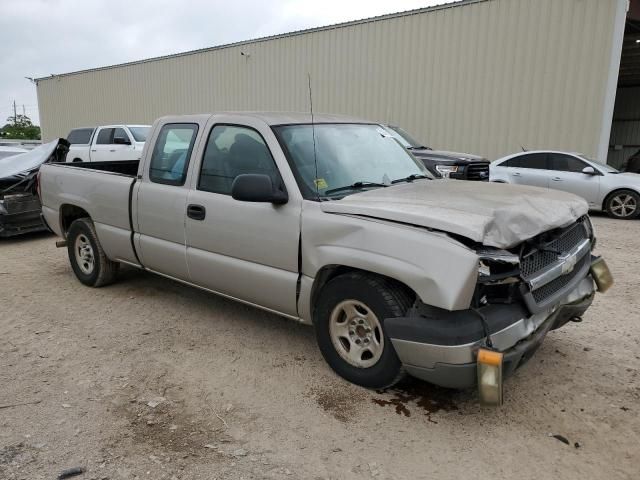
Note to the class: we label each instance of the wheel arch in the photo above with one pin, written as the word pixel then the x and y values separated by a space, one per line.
pixel 329 272
pixel 68 214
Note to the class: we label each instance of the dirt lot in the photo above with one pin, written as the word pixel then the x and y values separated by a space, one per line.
pixel 153 380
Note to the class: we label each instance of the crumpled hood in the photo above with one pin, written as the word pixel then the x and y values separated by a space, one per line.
pixel 494 214
pixel 26 162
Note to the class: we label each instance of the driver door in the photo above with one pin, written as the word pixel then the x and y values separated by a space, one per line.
pixel 245 250
pixel 566 175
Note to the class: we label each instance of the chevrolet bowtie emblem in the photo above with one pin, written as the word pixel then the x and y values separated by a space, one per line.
pixel 568 262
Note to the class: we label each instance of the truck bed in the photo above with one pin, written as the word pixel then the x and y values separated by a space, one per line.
pixel 103 190
pixel 127 167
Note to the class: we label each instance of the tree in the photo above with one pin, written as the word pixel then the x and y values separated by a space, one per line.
pixel 20 127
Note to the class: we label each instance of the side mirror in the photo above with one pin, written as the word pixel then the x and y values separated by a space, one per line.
pixel 256 187
pixel 121 141
pixel 589 171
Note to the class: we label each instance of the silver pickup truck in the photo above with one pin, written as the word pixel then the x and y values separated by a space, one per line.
pixel 334 224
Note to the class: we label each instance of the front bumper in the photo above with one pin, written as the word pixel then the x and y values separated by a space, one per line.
pixel 442 347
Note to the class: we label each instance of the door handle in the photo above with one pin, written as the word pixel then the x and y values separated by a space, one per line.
pixel 112 150
pixel 197 212
pixel 556 179
pixel 94 150
pixel 515 174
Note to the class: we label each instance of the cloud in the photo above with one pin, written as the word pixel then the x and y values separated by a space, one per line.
pixel 41 37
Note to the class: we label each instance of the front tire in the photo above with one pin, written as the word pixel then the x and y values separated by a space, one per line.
pixel 623 204
pixel 87 258
pixel 349 323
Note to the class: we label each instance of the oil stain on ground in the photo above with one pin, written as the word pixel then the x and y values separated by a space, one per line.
pixel 341 401
pixel 427 398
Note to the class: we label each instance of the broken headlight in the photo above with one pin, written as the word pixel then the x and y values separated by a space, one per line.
pixel 497 264
pixel 498 276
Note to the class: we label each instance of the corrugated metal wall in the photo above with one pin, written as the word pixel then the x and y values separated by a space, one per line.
pixel 485 76
pixel 625 132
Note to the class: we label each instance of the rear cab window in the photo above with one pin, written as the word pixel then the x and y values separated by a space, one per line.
pixel 171 153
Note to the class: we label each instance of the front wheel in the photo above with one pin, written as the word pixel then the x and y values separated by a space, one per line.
pixel 624 204
pixel 87 258
pixel 349 322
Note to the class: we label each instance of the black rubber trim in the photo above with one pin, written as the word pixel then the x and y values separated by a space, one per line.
pixel 437 326
pixel 133 245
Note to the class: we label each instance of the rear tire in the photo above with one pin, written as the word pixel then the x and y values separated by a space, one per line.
pixel 349 323
pixel 623 204
pixel 87 258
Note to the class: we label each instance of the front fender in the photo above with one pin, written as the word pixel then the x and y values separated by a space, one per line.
pixel 440 270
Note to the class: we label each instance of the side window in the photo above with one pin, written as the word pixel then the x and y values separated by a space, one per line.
pixel 534 160
pixel 566 163
pixel 120 137
pixel 231 151
pixel 80 136
pixel 171 153
pixel 104 136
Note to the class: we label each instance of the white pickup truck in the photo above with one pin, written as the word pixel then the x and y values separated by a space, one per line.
pixel 107 143
pixel 333 223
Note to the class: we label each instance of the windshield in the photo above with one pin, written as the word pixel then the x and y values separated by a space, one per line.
pixel 346 154
pixel 139 133
pixel 404 138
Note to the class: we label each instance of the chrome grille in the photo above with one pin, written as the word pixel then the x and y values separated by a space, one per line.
pixel 557 285
pixel 536 261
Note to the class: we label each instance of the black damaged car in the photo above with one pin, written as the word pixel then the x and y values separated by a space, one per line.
pixel 443 164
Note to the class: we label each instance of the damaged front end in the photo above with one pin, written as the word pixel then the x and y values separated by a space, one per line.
pixel 521 294
pixel 20 208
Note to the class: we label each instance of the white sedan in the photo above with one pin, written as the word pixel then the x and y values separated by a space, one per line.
pixel 604 187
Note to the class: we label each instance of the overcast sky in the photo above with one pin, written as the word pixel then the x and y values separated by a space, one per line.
pixel 41 37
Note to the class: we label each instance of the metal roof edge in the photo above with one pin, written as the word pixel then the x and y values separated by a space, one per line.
pixel 387 16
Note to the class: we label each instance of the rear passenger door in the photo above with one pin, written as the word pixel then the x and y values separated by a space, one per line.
pixel 245 250
pixel 100 150
pixel 161 201
pixel 529 169
pixel 566 175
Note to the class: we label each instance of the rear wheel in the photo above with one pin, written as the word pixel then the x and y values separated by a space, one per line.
pixel 87 258
pixel 349 321
pixel 623 204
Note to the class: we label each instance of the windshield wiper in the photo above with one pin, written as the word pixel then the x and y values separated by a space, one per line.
pixel 355 186
pixel 410 178
pixel 421 147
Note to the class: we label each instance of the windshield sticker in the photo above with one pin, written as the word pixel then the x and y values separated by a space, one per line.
pixel 321 183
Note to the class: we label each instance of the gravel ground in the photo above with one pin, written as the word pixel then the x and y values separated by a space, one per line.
pixel 150 379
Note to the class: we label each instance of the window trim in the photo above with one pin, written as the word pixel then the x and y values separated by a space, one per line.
pixel 100 130
pixel 281 185
pixel 187 162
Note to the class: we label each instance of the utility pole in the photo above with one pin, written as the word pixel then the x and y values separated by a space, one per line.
pixel 15 114
pixel 23 113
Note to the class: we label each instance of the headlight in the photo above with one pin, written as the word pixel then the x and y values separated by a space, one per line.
pixel 446 170
pixel 591 233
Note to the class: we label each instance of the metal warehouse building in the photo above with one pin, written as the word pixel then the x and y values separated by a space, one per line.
pixel 481 76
